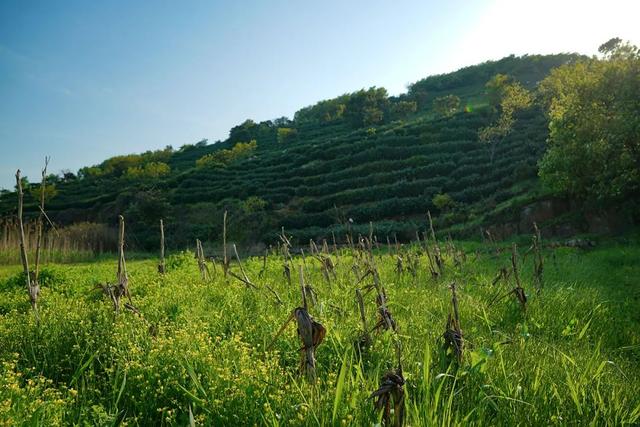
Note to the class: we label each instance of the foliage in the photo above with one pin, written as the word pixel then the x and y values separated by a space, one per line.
pixel 443 201
pixel 286 135
pixel 179 260
pixel 223 158
pixel 199 347
pixel 446 106
pixel 386 172
pixel 367 107
pixel 151 170
pixel 594 112
pixel 119 165
pixel 50 191
pixel 507 98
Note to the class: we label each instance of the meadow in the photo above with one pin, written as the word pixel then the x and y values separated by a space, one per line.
pixel 204 351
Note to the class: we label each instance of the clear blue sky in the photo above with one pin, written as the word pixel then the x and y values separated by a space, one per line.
pixel 85 80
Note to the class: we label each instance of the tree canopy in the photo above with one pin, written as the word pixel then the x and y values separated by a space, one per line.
pixel 593 108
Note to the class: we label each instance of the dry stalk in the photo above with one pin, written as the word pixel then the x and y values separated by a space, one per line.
pixel 33 288
pixel 117 291
pixel 161 267
pixel 225 260
pixel 453 337
pixel 306 289
pixel 263 270
pixel 247 282
pixel 437 253
pixel 365 338
pixel 391 389
pixel 286 256
pixel 518 290
pixel 202 264
pixel 432 265
pixel 385 320
pixel 538 260
pixel 310 332
pixel 40 218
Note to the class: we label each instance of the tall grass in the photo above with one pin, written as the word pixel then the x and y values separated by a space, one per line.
pixel 75 243
pixel 199 349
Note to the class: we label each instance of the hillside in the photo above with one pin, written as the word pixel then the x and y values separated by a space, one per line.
pixel 358 158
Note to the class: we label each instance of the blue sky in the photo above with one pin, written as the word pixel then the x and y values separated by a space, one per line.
pixel 81 81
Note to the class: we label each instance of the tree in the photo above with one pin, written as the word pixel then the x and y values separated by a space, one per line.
pixel 506 98
pixel 50 191
pixel 402 109
pixel 151 170
pixel 593 108
pixel 494 89
pixel 287 135
pixel 366 107
pixel 446 106
pixel 442 201
pixel 222 158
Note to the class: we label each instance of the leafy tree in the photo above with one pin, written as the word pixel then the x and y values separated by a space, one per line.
pixel 593 108
pixel 367 107
pixel 50 191
pixel 253 204
pixel 327 111
pixel 151 170
pixel 446 106
pixel 402 109
pixel 287 135
pixel 494 89
pixel 242 132
pixel 442 201
pixel 506 97
pixel 222 158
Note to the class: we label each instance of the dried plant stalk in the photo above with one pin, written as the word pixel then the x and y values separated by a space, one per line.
pixel 538 260
pixel 161 266
pixel 202 265
pixel 365 339
pixel 518 290
pixel 391 390
pixel 40 218
pixel 225 260
pixel 437 253
pixel 32 286
pixel 453 337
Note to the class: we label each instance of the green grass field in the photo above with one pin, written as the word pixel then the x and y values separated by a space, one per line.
pixel 197 354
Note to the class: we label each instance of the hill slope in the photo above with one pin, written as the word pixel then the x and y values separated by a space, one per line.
pixel 358 158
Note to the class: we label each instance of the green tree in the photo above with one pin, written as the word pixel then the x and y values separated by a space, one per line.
pixel 402 109
pixel 494 89
pixel 442 202
pixel 593 108
pixel 506 97
pixel 287 135
pixel 222 158
pixel 367 107
pixel 151 170
pixel 50 191
pixel 446 106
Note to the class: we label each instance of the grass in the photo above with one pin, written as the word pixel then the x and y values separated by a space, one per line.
pixel 572 358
